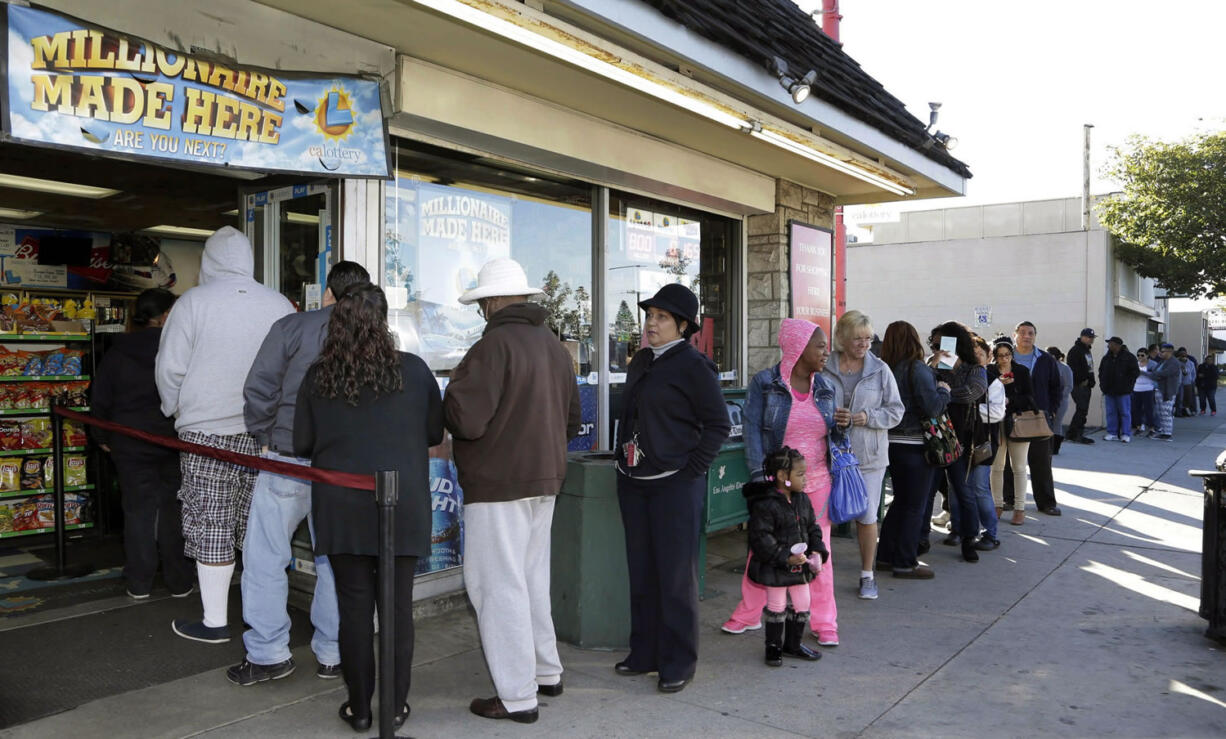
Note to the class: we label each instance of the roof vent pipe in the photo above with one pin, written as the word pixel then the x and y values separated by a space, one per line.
pixel 831 18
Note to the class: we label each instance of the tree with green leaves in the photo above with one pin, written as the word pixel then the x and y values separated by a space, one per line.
pixel 557 293
pixel 1171 215
pixel 625 325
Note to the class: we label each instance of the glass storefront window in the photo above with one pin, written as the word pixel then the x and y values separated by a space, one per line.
pixel 651 243
pixel 445 215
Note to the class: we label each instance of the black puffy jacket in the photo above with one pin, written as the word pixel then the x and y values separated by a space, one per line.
pixel 775 524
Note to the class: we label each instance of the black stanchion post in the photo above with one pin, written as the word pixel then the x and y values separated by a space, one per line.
pixel 386 482
pixel 61 570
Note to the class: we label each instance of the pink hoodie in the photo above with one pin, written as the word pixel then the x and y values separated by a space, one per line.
pixel 794 336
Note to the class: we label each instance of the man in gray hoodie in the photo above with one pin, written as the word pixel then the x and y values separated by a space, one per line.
pixel 208 344
pixel 279 503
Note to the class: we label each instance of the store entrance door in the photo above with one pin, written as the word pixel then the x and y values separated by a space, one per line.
pixel 291 232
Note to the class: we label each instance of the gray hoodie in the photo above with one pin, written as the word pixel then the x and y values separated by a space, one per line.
pixel 877 395
pixel 212 336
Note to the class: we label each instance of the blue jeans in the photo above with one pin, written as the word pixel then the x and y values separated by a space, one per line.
pixel 981 482
pixel 1119 414
pixel 963 507
pixel 278 505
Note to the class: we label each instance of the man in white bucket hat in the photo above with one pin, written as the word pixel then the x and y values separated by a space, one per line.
pixel 511 405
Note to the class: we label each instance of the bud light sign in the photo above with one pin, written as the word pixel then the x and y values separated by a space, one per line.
pixel 446 515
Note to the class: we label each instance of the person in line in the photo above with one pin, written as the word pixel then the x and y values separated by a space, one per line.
pixel 1144 419
pixel 208 343
pixel 1019 397
pixel 1117 376
pixel 968 382
pixel 1066 388
pixel 125 392
pixel 788 552
pixel 1045 384
pixel 1154 352
pixel 517 374
pixel 867 406
pixel 672 423
pixel 991 412
pixel 792 404
pixel 279 502
pixel 1185 405
pixel 1206 385
pixel 923 397
pixel 1168 377
pixel 364 407
pixel 1081 360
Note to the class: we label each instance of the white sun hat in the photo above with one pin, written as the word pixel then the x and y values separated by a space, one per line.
pixel 498 278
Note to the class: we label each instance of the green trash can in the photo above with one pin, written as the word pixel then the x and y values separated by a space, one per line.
pixel 590 586
pixel 725 505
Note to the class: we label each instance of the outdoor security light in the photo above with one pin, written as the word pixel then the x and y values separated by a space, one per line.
pixel 945 140
pixel 933 109
pixel 799 89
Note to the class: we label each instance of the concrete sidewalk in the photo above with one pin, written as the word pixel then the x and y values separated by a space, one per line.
pixel 1083 625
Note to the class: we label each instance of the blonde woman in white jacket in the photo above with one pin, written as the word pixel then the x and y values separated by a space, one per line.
pixel 867 406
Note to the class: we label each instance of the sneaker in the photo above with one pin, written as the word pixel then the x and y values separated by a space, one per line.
pixel 190 589
pixel 1202 413
pixel 197 631
pixel 918 572
pixel 941 520
pixel 828 639
pixel 248 673
pixel 1111 437
pixel 868 588
pixel 1163 437
pixel 328 672
pixel 1126 439
pixel 736 627
pixel 1151 433
pixel 137 596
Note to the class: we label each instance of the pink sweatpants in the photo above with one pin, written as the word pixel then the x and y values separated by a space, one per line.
pixel 823 615
pixel 777 598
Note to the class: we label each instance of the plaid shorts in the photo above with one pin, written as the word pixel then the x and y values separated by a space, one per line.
pixel 216 498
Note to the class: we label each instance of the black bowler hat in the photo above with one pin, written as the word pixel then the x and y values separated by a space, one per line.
pixel 676 299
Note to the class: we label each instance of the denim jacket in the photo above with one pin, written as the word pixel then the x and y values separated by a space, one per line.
pixel 768 404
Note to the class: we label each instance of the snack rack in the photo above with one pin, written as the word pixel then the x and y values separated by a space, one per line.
pixel 27 457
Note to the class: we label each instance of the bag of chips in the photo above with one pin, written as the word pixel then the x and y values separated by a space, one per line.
pixel 10 435
pixel 76 509
pixel 74 434
pixel 6 517
pixel 75 472
pixel 10 475
pixel 34 365
pixel 32 473
pixel 72 362
pixel 36 433
pixel 53 363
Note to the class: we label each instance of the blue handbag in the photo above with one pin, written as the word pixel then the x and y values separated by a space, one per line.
pixel 848 497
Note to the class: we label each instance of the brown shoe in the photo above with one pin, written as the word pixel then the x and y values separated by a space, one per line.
pixel 918 572
pixel 1019 518
pixel 493 708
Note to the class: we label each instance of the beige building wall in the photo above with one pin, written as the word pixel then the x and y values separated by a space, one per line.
pixel 1190 329
pixel 1020 261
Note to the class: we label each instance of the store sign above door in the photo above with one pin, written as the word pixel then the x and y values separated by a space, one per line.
pixel 72 84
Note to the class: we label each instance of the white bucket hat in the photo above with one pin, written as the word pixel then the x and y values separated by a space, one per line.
pixel 498 278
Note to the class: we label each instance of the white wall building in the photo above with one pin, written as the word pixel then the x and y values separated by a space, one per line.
pixel 992 266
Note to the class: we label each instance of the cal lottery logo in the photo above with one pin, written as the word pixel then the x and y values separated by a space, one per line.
pixel 334 115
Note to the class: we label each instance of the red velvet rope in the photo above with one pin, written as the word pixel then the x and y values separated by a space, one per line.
pixel 328 477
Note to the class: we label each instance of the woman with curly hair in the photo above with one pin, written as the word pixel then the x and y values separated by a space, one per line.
pixel 365 407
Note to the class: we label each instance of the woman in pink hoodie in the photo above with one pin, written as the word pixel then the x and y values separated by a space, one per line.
pixel 791 404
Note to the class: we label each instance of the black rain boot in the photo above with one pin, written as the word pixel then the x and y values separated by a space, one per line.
pixel 969 552
pixel 773 626
pixel 792 644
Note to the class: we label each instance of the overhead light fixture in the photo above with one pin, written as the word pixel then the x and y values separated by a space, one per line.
pixel 305 218
pixel 16 214
pixel 558 50
pixel 799 89
pixel 55 187
pixel 945 140
pixel 933 112
pixel 835 163
pixel 203 233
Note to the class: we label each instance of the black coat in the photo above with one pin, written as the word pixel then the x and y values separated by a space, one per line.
pixel 125 392
pixel 1019 394
pixel 388 432
pixel 1080 361
pixel 676 406
pixel 775 524
pixel 1117 373
pixel 1206 376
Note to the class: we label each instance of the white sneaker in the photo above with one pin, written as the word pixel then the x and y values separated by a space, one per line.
pixel 1126 439
pixel 941 520
pixel 1111 437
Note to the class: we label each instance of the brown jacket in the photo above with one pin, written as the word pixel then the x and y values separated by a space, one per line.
pixel 511 405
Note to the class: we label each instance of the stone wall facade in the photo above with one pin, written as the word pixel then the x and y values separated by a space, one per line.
pixel 767 265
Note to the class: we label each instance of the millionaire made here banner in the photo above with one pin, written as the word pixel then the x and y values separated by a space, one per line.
pixel 72 84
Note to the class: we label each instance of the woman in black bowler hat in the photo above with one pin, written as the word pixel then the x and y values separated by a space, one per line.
pixel 672 424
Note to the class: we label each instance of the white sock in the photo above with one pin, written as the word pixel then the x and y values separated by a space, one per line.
pixel 214 592
pixel 868 574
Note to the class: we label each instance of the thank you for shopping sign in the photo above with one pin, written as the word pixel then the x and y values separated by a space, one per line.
pixel 812 259
pixel 73 84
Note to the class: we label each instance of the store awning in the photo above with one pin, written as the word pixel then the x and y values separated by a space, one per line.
pixel 510 46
